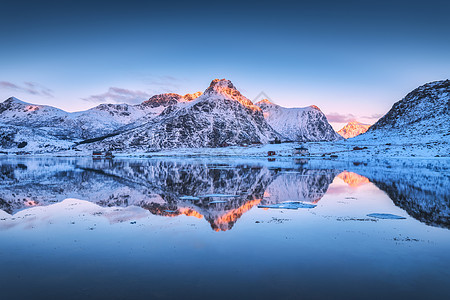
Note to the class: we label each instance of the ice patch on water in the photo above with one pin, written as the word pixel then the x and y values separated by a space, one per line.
pixel 189 198
pixel 386 216
pixel 289 205
pixel 218 195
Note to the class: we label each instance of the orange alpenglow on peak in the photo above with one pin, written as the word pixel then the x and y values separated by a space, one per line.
pixel 190 97
pixel 353 128
pixel 226 88
pixel 315 107
pixel 266 101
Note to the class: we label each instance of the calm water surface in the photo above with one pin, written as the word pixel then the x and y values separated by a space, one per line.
pixel 77 228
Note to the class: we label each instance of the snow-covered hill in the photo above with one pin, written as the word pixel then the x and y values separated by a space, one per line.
pixel 221 116
pixel 19 113
pixel 352 129
pixel 26 139
pixel 422 119
pixel 421 107
pixel 306 124
pixel 46 128
pixel 100 120
pixel 418 125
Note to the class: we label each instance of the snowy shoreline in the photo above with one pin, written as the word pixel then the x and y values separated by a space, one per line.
pixel 341 150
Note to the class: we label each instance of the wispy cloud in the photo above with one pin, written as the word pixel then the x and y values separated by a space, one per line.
pixel 345 118
pixel 119 95
pixel 32 88
pixel 340 118
pixel 373 116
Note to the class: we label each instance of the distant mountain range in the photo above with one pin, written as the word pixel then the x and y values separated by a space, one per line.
pixel 352 129
pixel 221 116
pixel 100 120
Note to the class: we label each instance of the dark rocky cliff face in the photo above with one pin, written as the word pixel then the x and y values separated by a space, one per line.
pixel 161 100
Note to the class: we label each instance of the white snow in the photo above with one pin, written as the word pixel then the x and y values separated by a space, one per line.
pixel 298 124
pixel 420 128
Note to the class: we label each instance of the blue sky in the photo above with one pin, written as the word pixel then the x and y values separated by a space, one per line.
pixel 353 59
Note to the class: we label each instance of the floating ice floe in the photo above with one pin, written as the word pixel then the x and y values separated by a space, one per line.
pixel 189 198
pixel 218 195
pixel 218 201
pixel 386 216
pixel 289 205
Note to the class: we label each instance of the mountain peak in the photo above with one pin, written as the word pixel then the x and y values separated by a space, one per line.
pixel 315 107
pixel 224 88
pixel 420 108
pixel 162 100
pixel 14 100
pixel 221 83
pixel 354 122
pixel 190 97
pixel 305 124
pixel 352 129
pixel 265 101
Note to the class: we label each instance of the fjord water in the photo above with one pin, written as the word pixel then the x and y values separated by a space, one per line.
pixel 78 228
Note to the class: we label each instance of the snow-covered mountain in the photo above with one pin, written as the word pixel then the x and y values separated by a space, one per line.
pixel 306 124
pixel 421 118
pixel 220 116
pixel 161 101
pixel 26 139
pixel 352 129
pixel 46 128
pixel 19 113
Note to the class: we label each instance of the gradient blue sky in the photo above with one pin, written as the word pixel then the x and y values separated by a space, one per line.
pixel 353 59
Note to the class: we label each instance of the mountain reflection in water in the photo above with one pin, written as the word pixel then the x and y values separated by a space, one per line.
pixel 218 192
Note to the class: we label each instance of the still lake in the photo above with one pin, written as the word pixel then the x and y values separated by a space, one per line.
pixel 224 228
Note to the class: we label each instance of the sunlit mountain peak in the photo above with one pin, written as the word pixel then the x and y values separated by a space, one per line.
pixel 315 107
pixel 190 97
pixel 225 88
pixel 266 101
pixel 353 128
